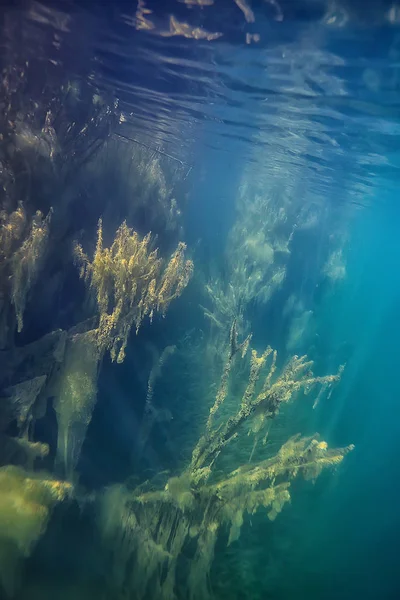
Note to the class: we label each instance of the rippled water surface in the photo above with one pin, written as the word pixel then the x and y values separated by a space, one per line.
pixel 316 94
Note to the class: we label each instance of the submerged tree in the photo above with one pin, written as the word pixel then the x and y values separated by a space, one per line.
pixel 75 390
pixel 149 528
pixel 129 282
pixel 257 250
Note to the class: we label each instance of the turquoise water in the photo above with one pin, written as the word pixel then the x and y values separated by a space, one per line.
pixel 192 194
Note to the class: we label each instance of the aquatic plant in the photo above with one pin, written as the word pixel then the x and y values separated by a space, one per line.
pixel 130 282
pixel 22 247
pixel 256 255
pixel 26 503
pixel 25 263
pixel 148 527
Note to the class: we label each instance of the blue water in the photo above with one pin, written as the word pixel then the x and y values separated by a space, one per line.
pixel 272 152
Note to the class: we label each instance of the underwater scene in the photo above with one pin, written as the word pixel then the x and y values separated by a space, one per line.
pixel 199 300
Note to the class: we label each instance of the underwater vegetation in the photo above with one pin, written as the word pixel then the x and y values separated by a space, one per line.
pixel 130 280
pixel 26 502
pixel 129 283
pixel 148 528
pixel 22 245
pixel 86 285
